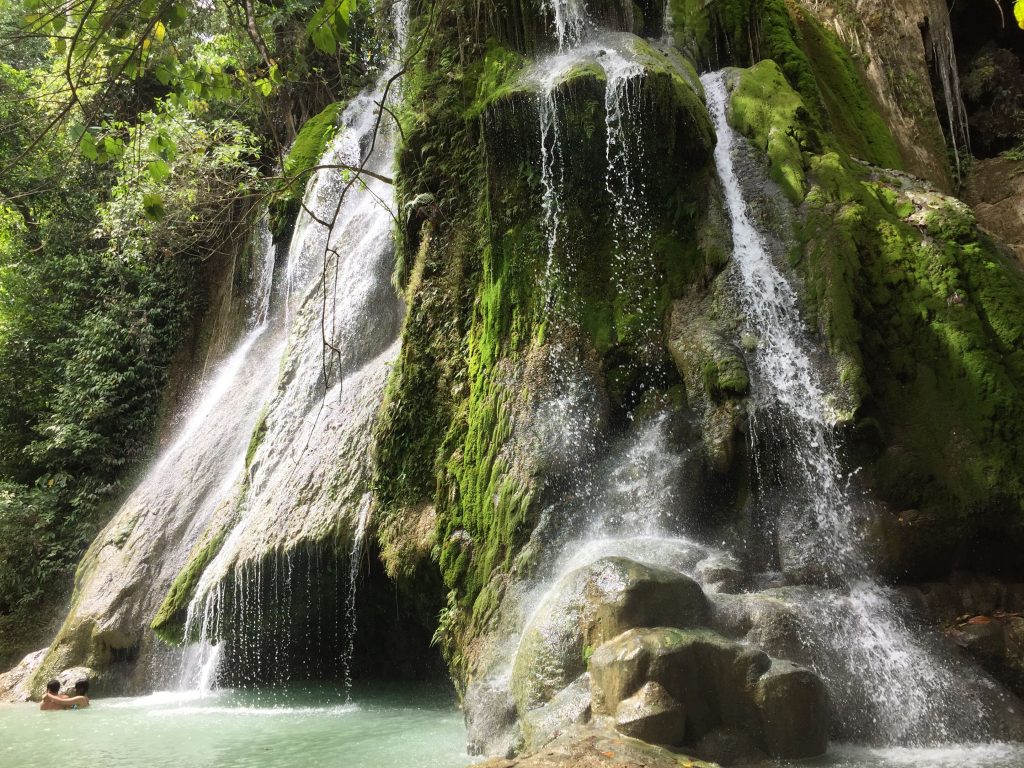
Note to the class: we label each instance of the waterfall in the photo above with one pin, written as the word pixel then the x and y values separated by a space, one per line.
pixel 790 392
pixel 355 555
pixel 552 178
pixel 890 683
pixel 309 477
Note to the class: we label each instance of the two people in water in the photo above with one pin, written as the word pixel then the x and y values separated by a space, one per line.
pixel 53 700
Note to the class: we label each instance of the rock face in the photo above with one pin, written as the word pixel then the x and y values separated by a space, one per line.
pixel 678 686
pixel 590 606
pixel 569 707
pixel 995 190
pixel 984 617
pixel 14 683
pixel 651 714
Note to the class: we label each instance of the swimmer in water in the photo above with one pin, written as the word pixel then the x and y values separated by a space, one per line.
pixel 53 700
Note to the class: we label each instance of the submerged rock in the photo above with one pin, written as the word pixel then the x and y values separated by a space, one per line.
pixel 597 747
pixel 590 606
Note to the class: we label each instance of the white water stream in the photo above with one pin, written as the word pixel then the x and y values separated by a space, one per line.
pixel 887 680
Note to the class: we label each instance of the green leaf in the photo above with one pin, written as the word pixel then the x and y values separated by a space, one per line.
pixel 158 170
pixel 112 146
pixel 87 146
pixel 153 206
pixel 176 15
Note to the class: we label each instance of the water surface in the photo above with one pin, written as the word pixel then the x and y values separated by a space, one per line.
pixel 383 727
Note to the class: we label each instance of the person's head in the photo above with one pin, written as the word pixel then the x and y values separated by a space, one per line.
pixel 81 687
pixel 53 686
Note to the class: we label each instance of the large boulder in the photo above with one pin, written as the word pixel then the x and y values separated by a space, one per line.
pixel 69 677
pixel 589 606
pixel 14 683
pixel 793 705
pixel 715 684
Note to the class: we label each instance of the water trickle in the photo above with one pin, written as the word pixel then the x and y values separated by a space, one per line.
pixel 888 682
pixel 570 21
pixel 626 175
pixel 552 178
pixel 355 556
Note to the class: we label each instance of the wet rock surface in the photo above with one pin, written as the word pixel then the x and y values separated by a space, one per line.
pixel 651 714
pixel 995 190
pixel 569 707
pixel 590 606
pixel 652 681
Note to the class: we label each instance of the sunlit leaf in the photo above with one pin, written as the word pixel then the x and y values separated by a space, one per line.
pixel 158 170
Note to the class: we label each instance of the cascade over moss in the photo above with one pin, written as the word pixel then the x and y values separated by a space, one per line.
pixel 452 431
pixel 304 154
pixel 924 317
pixel 817 66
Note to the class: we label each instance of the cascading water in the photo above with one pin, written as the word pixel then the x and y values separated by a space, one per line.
pixel 625 182
pixel 570 21
pixel 310 430
pixel 308 479
pixel 355 555
pixel 888 682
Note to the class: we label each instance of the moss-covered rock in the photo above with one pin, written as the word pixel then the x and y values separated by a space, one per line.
pixel 831 87
pixel 770 113
pixel 303 155
pixel 921 312
pixel 169 622
pixel 499 324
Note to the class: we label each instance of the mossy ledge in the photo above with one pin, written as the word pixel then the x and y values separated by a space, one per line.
pixel 829 82
pixel 169 622
pixel 303 155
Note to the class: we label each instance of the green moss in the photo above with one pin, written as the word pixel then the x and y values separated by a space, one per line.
pixel 305 152
pixel 258 433
pixel 169 622
pixel 486 302
pixel 926 323
pixel 829 82
pixel 853 117
pixel 768 111
pixel 497 76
